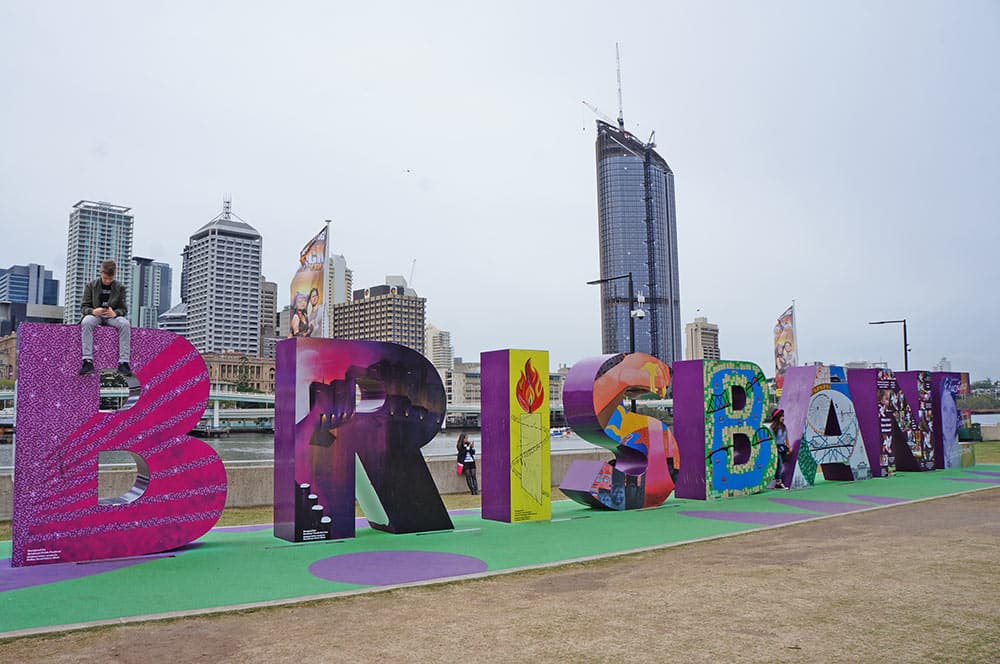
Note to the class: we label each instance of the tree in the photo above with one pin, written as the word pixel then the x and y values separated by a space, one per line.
pixel 243 376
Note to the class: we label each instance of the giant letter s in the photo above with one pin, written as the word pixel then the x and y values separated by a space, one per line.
pixel 646 454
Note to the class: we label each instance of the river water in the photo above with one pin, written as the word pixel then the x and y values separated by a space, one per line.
pixel 260 447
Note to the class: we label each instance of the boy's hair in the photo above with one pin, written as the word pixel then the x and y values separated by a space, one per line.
pixel 108 267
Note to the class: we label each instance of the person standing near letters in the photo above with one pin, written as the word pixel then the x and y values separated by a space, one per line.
pixel 780 433
pixel 467 457
pixel 104 304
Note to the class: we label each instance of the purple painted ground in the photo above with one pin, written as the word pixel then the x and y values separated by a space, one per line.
pixel 386 568
pixel 978 480
pixel 824 506
pixel 13 578
pixel 991 473
pixel 759 518
pixel 777 518
pixel 880 500
pixel 242 529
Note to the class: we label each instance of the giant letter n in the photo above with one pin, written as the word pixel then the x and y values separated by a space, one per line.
pixel 181 488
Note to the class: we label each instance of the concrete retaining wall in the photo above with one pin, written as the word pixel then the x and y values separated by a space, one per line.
pixel 251 485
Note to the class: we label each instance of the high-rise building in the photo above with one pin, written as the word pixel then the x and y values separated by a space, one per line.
pixel 437 347
pixel 390 312
pixel 284 322
pixel 638 235
pixel 464 384
pixel 340 278
pixel 268 317
pixel 149 296
pixel 174 319
pixel 29 284
pixel 97 232
pixel 339 281
pixel 702 340
pixel 12 314
pixel 222 285
pixel 184 273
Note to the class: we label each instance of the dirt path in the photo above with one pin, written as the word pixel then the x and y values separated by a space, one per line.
pixel 914 583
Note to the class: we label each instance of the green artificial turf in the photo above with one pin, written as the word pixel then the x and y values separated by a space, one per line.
pixel 228 568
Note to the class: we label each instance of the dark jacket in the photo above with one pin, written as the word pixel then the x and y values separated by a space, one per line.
pixel 461 456
pixel 92 298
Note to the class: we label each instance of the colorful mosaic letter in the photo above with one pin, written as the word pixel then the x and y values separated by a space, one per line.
pixel 719 417
pixel 350 419
pixel 516 445
pixel 646 454
pixel 823 429
pixel 181 488
pixel 892 436
pixel 946 387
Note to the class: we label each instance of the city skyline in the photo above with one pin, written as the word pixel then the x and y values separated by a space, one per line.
pixel 845 164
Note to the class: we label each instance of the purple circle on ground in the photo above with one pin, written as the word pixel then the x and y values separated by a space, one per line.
pixel 386 568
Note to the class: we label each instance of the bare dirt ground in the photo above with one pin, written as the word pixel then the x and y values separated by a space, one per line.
pixel 913 583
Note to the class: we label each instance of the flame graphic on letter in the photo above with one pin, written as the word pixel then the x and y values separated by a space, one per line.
pixel 530 390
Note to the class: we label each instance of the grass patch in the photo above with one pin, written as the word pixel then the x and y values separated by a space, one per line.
pixel 988 452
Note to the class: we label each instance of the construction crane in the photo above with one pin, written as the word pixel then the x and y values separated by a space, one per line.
pixel 621 114
pixel 618 72
pixel 598 112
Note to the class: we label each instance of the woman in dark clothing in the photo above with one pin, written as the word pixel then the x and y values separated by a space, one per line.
pixel 780 433
pixel 467 457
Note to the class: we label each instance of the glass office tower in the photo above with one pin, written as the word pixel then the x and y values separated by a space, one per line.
pixel 150 294
pixel 97 232
pixel 638 234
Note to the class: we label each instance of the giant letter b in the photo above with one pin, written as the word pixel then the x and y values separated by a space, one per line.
pixel 60 432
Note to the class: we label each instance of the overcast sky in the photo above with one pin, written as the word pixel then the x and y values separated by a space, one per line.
pixel 845 155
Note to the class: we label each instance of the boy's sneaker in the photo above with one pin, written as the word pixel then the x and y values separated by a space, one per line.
pixel 87 368
pixel 124 369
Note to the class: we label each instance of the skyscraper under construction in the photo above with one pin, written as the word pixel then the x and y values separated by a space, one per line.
pixel 638 235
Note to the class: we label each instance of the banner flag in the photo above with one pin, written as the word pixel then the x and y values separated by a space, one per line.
pixel 308 291
pixel 786 352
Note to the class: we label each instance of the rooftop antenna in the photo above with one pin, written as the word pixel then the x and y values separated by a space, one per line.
pixel 618 61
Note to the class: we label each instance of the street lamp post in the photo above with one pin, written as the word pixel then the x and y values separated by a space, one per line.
pixel 631 302
pixel 631 311
pixel 906 346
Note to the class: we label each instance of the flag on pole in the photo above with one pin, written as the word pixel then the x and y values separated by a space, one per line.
pixel 308 301
pixel 786 353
